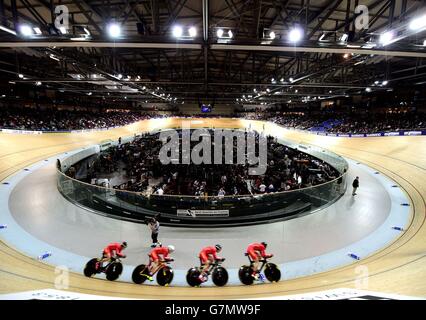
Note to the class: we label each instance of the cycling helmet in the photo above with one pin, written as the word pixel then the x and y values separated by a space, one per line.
pixel 171 248
pixel 124 244
pixel 264 244
pixel 218 247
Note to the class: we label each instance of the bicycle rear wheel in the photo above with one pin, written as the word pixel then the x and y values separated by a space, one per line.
pixel 165 276
pixel 140 274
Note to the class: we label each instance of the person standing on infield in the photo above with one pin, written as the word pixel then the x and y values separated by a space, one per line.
pixel 355 185
pixel 154 225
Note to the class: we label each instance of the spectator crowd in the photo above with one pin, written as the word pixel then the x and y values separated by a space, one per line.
pixel 65 120
pixel 356 123
pixel 345 123
pixel 138 163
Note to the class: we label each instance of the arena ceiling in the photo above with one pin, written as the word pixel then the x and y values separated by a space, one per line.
pixel 148 62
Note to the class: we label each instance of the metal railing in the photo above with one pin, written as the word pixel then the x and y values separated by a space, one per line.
pixel 241 209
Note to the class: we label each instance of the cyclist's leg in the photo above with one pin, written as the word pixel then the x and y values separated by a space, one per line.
pixel 106 256
pixel 205 263
pixel 205 267
pixel 154 266
pixel 255 262
pixel 157 266
pixel 211 261
pixel 150 263
pixel 150 266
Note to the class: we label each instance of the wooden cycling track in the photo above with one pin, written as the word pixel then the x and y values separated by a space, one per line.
pixel 399 268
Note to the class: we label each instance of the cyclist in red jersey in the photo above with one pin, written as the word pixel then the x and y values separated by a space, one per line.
pixel 257 251
pixel 154 258
pixel 207 256
pixel 112 250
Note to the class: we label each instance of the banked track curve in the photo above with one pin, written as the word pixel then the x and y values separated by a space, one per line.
pixel 399 268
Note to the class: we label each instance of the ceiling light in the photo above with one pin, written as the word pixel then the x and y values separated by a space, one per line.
pixel 230 34
pixel 291 80
pixel 344 37
pixel 63 30
pixel 78 39
pixel 51 56
pixel 219 33
pixel 272 35
pixel 418 23
pixel 38 83
pixel 386 38
pixel 87 31
pixel 192 32
pixel 368 89
pixel 346 55
pixel 114 30
pixel 20 75
pixel 296 91
pixel 268 90
pixel 177 31
pixel 37 30
pixel 295 35
pixel 120 76
pixel 8 30
pixel 26 30
pixel 385 83
pixel 89 94
pixel 376 82
pixel 282 80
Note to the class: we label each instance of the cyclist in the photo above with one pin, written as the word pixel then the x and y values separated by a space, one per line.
pixel 154 259
pixel 112 251
pixel 208 255
pixel 257 251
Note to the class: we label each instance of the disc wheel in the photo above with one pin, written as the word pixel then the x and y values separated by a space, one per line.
pixel 192 277
pixel 165 276
pixel 90 268
pixel 220 276
pixel 272 273
pixel 245 275
pixel 114 270
pixel 140 274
